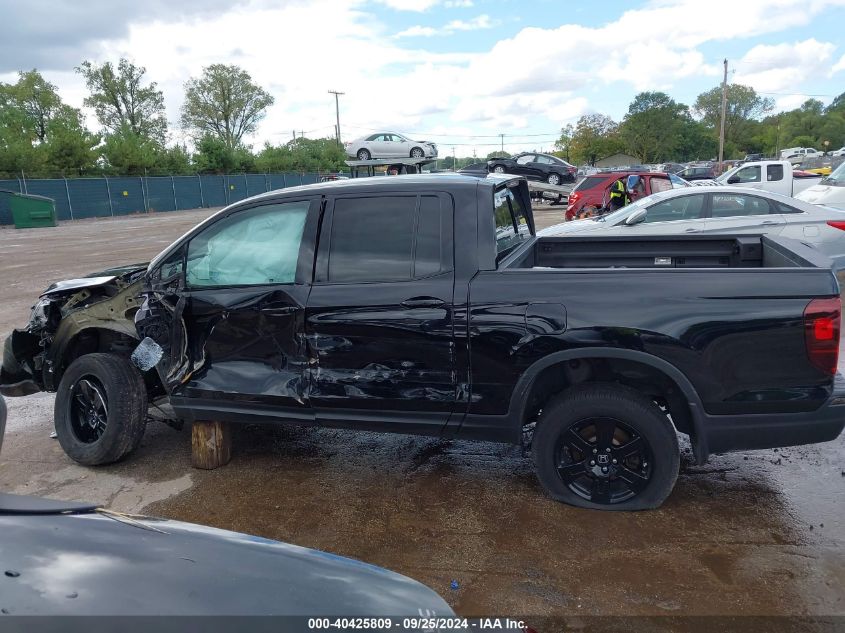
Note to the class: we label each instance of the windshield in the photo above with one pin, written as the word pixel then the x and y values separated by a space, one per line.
pixel 723 179
pixel 836 178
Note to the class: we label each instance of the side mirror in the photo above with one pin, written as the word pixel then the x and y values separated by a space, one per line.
pixel 733 180
pixel 636 217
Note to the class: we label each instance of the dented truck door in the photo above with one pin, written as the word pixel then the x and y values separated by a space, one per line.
pixel 235 345
pixel 380 317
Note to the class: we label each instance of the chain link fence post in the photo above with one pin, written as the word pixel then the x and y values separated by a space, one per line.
pixel 108 192
pixel 202 198
pixel 67 192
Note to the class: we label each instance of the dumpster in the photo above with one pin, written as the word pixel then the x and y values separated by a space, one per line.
pixel 30 212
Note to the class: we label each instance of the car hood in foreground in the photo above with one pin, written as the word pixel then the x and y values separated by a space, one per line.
pixel 573 226
pixel 96 564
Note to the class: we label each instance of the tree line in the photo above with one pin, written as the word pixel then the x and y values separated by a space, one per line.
pixel 41 136
pixel 656 128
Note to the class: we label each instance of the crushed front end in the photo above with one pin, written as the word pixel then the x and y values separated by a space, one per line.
pixel 70 318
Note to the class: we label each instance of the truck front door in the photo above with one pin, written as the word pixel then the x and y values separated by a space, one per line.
pixel 232 325
pixel 379 320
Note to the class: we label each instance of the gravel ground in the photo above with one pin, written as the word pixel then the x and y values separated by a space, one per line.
pixel 747 534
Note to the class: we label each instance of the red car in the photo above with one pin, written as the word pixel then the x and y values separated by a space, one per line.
pixel 592 195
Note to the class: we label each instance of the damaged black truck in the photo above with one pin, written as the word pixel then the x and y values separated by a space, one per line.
pixel 426 304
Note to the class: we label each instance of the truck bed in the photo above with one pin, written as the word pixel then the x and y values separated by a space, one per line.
pixel 691 251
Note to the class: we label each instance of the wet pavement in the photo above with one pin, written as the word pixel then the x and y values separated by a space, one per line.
pixel 757 533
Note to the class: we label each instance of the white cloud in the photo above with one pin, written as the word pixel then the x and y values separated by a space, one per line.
pixel 458 4
pixel 417 31
pixel 418 6
pixel 477 23
pixel 782 67
pixel 838 66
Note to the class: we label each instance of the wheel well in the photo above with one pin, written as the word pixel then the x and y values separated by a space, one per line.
pixel 646 379
pixel 102 340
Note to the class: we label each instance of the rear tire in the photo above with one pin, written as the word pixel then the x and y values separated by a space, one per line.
pixel 101 409
pixel 364 154
pixel 499 169
pixel 606 447
pixel 554 179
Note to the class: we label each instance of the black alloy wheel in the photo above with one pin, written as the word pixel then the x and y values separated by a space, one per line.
pixel 605 446
pixel 100 411
pixel 603 460
pixel 89 409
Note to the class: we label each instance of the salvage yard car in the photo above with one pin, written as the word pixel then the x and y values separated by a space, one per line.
pixel 777 176
pixel 389 145
pixel 720 210
pixel 427 304
pixel 534 166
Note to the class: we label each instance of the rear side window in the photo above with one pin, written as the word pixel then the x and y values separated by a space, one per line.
pixel 389 238
pixel 785 208
pixel 511 222
pixel 372 239
pixel 726 205
pixel 590 182
pixel 774 173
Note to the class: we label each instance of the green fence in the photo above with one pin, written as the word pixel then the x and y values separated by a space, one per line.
pixel 78 198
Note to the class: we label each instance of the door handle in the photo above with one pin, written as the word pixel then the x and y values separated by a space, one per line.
pixel 769 223
pixel 279 310
pixel 423 302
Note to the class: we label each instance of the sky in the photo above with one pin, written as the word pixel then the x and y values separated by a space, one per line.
pixel 456 72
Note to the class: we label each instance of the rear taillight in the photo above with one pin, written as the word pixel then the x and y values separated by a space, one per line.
pixel 822 319
pixel 837 224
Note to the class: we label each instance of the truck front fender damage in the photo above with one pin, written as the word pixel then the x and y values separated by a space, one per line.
pixel 67 319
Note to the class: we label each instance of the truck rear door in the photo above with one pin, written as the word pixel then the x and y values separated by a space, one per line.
pixel 379 319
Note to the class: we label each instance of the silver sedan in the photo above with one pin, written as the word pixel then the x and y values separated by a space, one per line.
pixel 714 210
pixel 389 145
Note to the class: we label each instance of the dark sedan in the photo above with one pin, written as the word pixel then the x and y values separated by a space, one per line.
pixel 697 172
pixel 540 167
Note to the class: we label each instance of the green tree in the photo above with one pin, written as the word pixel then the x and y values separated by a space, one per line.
pixel 596 136
pixel 213 155
pixel 128 153
pixel 498 154
pixel 122 102
pixel 564 143
pixel 175 161
pixel 652 129
pixel 303 155
pixel 71 148
pixel 744 106
pixel 224 102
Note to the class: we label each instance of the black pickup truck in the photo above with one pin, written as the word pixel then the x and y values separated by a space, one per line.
pixel 426 304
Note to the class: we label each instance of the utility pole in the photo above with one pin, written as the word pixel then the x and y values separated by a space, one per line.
pixel 337 110
pixel 724 112
pixel 454 166
pixel 503 143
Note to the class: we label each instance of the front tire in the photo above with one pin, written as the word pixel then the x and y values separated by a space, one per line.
pixel 417 152
pixel 101 409
pixel 363 154
pixel 499 169
pixel 606 447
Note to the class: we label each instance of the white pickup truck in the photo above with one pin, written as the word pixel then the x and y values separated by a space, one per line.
pixel 776 176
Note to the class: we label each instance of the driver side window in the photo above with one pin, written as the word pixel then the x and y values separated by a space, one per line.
pixel 678 208
pixel 254 247
pixel 524 160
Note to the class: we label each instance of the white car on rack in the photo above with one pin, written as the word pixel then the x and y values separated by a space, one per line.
pixel 389 145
